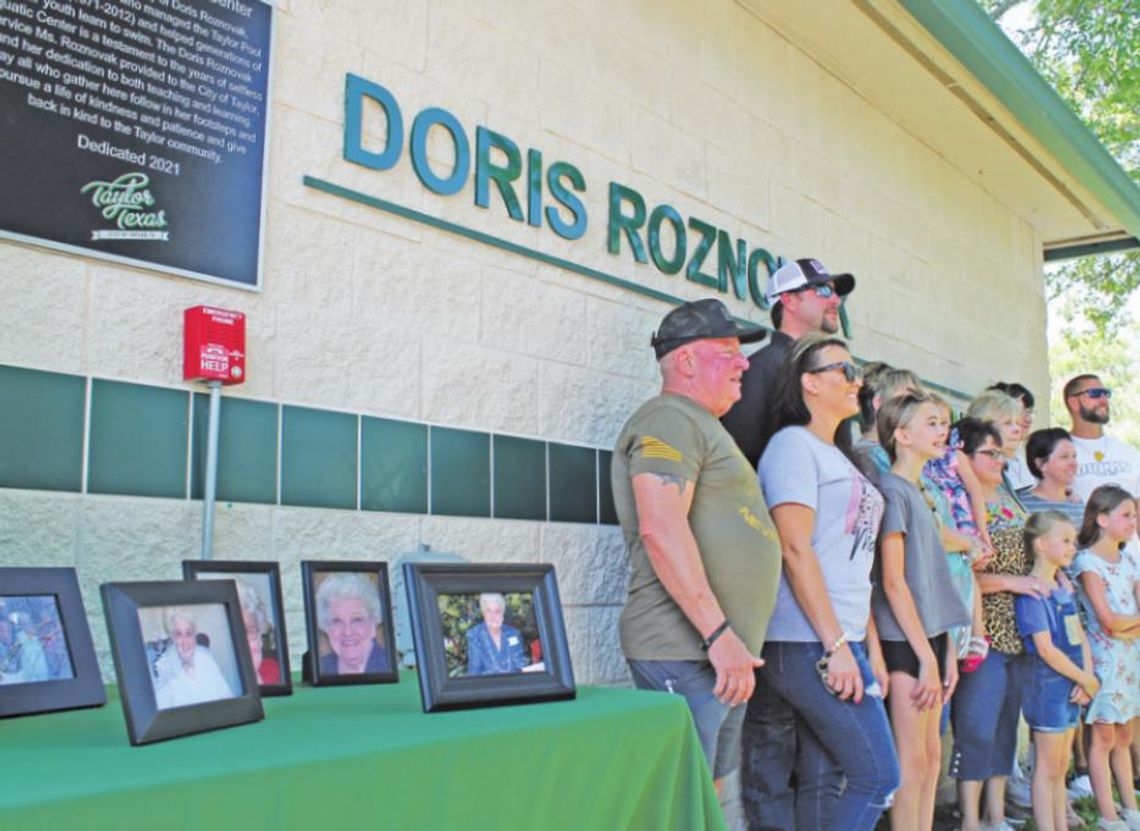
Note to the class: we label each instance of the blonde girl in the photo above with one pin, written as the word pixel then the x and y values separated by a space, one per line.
pixel 1059 678
pixel 914 604
pixel 1109 593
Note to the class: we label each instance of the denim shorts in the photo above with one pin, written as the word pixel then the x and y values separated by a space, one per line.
pixel 1045 701
pixel 718 725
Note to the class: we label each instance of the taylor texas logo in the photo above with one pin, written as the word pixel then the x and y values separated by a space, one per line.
pixel 127 202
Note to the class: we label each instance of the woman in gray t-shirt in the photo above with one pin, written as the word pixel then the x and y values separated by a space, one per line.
pixel 817 689
pixel 915 603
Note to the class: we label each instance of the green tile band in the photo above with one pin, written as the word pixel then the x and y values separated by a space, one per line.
pixel 41 429
pixel 460 472
pixel 138 440
pixel 520 478
pixel 318 458
pixel 138 447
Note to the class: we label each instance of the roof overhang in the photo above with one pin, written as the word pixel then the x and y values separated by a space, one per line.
pixel 948 75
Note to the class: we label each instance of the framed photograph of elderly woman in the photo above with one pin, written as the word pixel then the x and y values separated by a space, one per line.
pixel 487 635
pixel 348 616
pixel 181 657
pixel 47 660
pixel 258 585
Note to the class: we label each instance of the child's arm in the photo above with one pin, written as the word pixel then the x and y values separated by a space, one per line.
pixel 1079 695
pixel 1059 662
pixel 954 540
pixel 926 692
pixel 1115 624
pixel 875 656
pixel 978 627
pixel 977 498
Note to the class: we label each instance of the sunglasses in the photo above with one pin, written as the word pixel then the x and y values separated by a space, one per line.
pixel 1094 393
pixel 822 290
pixel 995 455
pixel 850 372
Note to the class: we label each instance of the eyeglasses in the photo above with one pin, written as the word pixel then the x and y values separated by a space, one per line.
pixel 1094 393
pixel 994 454
pixel 822 290
pixel 851 372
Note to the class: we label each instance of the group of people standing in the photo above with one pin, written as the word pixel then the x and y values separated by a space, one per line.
pixel 821 601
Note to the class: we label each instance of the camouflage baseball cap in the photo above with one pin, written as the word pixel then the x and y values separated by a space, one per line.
pixel 699 319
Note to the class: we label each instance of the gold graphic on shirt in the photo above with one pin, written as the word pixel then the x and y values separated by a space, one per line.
pixel 758 524
pixel 1098 455
pixel 653 448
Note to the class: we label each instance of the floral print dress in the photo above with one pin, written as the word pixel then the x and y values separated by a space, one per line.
pixel 1115 661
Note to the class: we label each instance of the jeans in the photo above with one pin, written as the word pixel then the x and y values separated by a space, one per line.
pixel 718 725
pixel 987 704
pixel 842 753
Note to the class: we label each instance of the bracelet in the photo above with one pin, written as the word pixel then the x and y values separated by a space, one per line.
pixel 716 633
pixel 842 639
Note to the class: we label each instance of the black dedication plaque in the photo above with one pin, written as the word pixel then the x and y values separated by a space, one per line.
pixel 135 130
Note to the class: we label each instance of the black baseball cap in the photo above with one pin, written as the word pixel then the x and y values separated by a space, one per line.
pixel 697 320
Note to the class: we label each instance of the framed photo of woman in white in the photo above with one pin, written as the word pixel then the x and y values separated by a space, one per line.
pixel 181 657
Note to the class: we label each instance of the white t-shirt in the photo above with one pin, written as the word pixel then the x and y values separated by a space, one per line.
pixel 1018 471
pixel 799 468
pixel 1106 461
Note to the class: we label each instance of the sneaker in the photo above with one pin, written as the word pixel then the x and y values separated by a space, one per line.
pixel 1112 825
pixel 1080 787
pixel 1007 824
pixel 1131 818
pixel 976 653
pixel 1017 792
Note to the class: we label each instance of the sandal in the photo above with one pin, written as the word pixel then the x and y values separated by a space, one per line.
pixel 976 653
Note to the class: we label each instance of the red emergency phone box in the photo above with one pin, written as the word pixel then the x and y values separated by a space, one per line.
pixel 214 345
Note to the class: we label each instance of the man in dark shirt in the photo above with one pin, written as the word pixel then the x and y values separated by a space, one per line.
pixel 804 298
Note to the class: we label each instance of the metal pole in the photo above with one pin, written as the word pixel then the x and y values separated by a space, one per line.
pixel 211 481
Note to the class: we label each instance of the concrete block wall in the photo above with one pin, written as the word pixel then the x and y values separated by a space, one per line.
pixel 700 105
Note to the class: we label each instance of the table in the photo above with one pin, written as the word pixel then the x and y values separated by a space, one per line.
pixel 368 757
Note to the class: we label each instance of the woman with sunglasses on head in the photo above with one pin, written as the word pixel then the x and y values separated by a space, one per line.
pixel 824 677
pixel 1016 471
pixel 987 704
pixel 1004 412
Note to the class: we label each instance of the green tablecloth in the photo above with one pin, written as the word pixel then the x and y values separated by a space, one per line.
pixel 367 757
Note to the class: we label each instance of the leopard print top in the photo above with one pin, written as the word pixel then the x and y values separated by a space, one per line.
pixel 997 608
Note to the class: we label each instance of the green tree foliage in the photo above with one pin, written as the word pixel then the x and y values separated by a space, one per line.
pixel 1089 50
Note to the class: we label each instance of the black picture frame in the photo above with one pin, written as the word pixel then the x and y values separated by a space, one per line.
pixel 322 660
pixel 271 573
pixel 427 582
pixel 84 687
pixel 146 720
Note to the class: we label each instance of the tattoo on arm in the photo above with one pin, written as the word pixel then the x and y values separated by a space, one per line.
pixel 672 479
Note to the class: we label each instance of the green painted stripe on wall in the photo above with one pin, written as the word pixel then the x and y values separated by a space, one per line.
pixel 140 434
pixel 41 429
pixel 247 450
pixel 318 458
pixel 138 440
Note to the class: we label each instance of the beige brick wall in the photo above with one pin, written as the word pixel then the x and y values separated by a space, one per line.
pixel 696 104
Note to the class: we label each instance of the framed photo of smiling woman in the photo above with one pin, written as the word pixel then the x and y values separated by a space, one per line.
pixel 348 618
